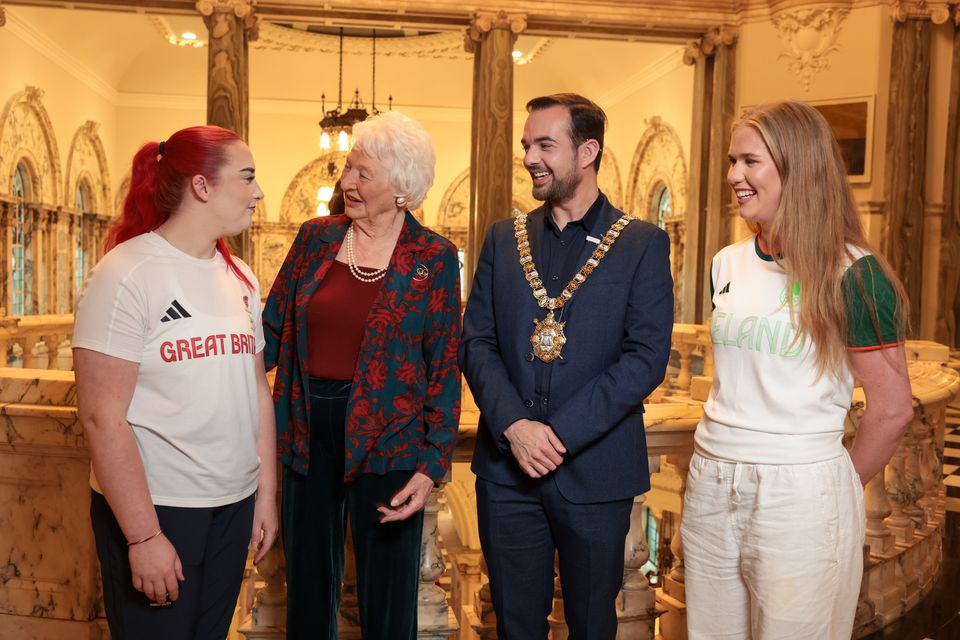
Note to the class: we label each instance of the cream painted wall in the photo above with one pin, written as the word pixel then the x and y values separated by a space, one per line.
pixel 68 101
pixel 670 97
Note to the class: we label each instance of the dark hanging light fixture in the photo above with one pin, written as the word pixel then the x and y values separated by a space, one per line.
pixel 337 124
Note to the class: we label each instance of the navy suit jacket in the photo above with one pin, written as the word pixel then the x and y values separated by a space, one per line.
pixel 618 327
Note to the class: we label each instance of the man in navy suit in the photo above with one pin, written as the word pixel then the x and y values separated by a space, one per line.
pixel 559 372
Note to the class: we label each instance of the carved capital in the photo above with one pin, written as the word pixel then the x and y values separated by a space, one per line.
pixel 707 44
pixel 243 9
pixel 484 22
pixel 34 95
pixel 936 12
pixel 723 35
pixel 810 36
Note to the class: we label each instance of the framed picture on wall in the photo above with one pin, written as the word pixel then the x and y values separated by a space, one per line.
pixel 852 122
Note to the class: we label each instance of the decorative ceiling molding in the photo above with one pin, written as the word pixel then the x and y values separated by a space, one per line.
pixel 644 78
pixel 810 36
pixel 651 20
pixel 539 47
pixel 936 12
pixel 438 45
pixel 164 29
pixel 56 54
pixel 276 38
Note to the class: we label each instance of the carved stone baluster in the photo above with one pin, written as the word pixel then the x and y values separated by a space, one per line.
pixel 914 481
pixel 433 609
pixel 878 537
pixel 882 590
pixel 557 617
pixel 52 343
pixel 685 351
pixel 349 613
pixel 673 624
pixel 896 486
pixel 637 602
pixel 929 473
pixel 268 617
pixel 484 621
pixel 30 360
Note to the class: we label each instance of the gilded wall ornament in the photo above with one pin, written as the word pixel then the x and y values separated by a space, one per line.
pixel 810 36
pixel 27 132
pixel 88 160
pixel 657 159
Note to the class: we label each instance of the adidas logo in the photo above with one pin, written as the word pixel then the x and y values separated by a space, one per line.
pixel 726 289
pixel 175 312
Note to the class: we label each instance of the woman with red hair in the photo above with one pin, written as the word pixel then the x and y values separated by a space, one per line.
pixel 172 394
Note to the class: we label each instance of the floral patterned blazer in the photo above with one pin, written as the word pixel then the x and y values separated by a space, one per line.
pixel 404 405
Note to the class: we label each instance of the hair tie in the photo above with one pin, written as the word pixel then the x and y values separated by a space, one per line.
pixel 160 150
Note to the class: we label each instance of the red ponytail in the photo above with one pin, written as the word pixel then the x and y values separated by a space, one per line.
pixel 158 183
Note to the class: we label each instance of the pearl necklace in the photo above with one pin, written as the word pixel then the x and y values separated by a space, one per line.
pixel 372 276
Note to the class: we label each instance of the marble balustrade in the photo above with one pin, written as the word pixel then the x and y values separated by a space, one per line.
pixel 36 342
pixel 49 584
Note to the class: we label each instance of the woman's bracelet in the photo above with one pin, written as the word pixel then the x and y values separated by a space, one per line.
pixel 149 537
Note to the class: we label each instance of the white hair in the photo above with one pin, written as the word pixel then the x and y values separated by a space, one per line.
pixel 404 148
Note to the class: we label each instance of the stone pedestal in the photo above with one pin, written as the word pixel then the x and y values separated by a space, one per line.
pixel 49 582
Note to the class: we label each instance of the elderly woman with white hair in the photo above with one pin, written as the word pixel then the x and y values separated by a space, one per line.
pixel 363 325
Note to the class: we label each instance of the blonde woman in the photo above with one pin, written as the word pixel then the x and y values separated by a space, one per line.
pixel 773 524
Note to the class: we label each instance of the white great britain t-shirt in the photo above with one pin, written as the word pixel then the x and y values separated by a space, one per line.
pixel 194 328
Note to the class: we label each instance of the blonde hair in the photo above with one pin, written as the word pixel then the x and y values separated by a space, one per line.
pixel 815 225
pixel 405 149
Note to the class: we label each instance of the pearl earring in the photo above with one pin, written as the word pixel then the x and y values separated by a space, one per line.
pixel 400 200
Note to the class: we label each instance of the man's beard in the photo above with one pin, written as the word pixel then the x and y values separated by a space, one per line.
pixel 559 190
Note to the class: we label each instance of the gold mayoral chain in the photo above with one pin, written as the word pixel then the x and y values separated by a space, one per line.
pixel 548 338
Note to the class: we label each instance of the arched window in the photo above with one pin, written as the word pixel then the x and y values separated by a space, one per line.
pixel 84 205
pixel 662 208
pixel 21 282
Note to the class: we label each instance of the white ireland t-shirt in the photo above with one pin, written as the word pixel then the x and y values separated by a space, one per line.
pixel 194 328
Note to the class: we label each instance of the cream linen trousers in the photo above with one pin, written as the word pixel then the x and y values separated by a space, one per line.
pixel 772 552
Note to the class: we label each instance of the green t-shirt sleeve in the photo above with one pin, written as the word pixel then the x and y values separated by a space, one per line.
pixel 873 319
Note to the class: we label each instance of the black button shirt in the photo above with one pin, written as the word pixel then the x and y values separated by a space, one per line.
pixel 559 260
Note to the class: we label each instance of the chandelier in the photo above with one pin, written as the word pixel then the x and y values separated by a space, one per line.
pixel 337 124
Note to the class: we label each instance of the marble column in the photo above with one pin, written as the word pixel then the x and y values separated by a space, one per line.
pixel 6 207
pixel 231 25
pixel 490 38
pixel 906 150
pixel 708 209
pixel 948 311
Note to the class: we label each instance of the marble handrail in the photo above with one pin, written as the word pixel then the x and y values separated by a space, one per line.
pixel 51 589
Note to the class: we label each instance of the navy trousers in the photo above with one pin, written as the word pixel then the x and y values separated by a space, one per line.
pixel 212 544
pixel 315 508
pixel 520 529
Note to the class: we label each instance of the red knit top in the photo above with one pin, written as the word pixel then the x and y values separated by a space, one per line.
pixel 336 320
